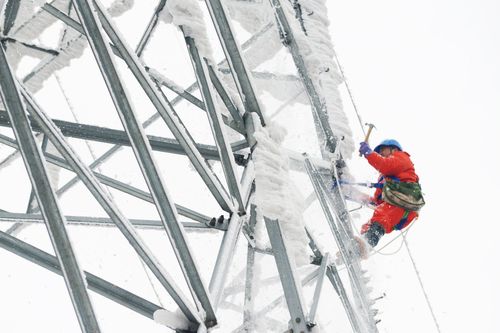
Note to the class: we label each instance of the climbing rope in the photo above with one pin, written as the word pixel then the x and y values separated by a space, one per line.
pixel 421 284
pixel 349 91
pixel 403 233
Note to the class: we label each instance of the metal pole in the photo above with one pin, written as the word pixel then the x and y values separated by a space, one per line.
pixel 214 117
pixel 101 286
pixel 234 58
pixel 142 149
pixel 319 287
pixel 149 30
pixel 111 209
pixel 289 281
pixel 165 110
pixel 46 197
pixel 318 105
pixel 225 258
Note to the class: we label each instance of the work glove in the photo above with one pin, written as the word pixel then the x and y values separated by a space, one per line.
pixel 364 149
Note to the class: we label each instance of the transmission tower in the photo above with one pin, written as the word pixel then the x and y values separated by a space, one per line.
pixel 211 171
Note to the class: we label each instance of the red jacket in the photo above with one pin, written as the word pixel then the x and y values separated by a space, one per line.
pixel 398 165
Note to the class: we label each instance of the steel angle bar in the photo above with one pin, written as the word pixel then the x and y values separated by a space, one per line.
pixel 10 14
pixel 320 114
pixel 319 287
pixel 104 157
pixel 162 80
pixel 279 300
pixel 290 282
pixel 28 218
pixel 225 258
pixel 154 74
pixel 248 313
pixel 35 165
pixel 113 136
pixel 234 58
pixel 103 198
pixel 337 284
pixel 164 108
pixel 95 283
pixel 214 117
pixel 230 106
pixel 108 181
pixel 350 259
pixel 141 146
pixel 336 281
pixel 149 29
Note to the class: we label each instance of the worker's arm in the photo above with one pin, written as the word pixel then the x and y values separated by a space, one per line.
pixel 388 166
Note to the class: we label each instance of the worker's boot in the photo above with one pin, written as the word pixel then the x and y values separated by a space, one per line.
pixel 360 248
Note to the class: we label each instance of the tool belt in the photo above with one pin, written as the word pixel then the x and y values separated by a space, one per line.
pixel 403 194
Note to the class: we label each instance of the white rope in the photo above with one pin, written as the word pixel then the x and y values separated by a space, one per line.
pixel 421 284
pixel 349 91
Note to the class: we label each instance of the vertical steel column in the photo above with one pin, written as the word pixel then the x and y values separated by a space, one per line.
pixel 233 110
pixel 149 30
pixel 214 117
pixel 143 152
pixel 249 279
pixel 165 110
pixel 234 58
pixel 35 165
pixel 225 258
pixel 289 280
pixel 337 284
pixel 345 246
pixel 319 286
pixel 111 209
pixel 318 105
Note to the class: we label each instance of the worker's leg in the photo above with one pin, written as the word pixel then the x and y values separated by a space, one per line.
pixel 373 233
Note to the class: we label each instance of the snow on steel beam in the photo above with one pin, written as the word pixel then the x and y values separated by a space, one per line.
pixel 289 280
pixel 35 165
pixel 233 110
pixel 234 58
pixel 214 117
pixel 95 283
pixel 164 108
pixel 141 146
pixel 155 75
pixel 325 135
pixel 107 203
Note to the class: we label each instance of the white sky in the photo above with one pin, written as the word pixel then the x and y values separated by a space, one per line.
pixel 428 74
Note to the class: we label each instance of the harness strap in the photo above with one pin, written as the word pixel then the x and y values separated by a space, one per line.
pixel 403 221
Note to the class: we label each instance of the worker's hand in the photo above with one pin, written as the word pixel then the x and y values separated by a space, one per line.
pixel 364 149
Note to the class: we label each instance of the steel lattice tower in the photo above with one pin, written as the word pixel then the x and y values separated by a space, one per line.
pixel 197 145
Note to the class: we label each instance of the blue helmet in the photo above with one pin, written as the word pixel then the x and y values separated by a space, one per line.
pixel 388 143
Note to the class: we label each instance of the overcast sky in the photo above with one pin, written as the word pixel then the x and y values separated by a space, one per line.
pixel 428 74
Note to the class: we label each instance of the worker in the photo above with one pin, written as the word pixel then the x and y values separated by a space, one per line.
pixel 397 197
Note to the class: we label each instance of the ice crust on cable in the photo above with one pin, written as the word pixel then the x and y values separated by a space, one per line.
pixel 318 53
pixel 187 14
pixel 276 196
